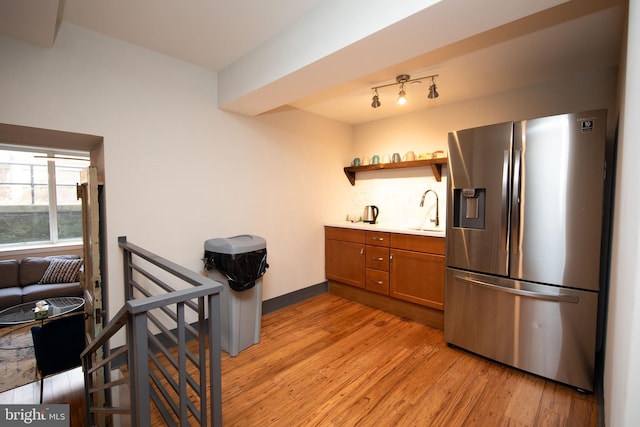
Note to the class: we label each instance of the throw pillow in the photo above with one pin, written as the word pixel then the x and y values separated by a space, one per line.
pixel 62 271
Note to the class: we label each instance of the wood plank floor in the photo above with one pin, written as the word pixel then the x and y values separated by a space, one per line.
pixel 67 387
pixel 332 362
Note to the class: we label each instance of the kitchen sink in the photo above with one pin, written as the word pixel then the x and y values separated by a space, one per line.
pixel 433 230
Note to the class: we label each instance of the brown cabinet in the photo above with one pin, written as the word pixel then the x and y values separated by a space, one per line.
pixel 417 277
pixel 345 256
pixel 403 266
pixel 416 272
pixel 399 273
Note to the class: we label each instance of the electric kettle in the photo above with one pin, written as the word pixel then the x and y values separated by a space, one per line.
pixel 370 214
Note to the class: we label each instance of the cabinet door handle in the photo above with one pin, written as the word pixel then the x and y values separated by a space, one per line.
pixel 361 251
pixel 378 239
pixel 377 259
pixel 377 282
pixel 390 257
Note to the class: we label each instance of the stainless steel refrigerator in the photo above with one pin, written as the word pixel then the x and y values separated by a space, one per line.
pixel 524 228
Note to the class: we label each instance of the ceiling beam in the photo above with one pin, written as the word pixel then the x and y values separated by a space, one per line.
pixel 341 41
pixel 34 21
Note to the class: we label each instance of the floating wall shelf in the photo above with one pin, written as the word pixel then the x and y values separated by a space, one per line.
pixel 436 167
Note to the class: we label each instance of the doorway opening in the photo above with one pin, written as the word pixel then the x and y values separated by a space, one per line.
pixel 60 142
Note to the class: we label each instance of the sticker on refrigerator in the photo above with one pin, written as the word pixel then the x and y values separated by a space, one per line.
pixel 587 126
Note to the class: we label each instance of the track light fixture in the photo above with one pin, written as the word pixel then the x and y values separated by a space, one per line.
pixel 402 95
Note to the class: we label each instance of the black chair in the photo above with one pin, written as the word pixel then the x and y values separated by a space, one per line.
pixel 58 345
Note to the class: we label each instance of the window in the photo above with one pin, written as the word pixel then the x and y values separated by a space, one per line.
pixel 38 202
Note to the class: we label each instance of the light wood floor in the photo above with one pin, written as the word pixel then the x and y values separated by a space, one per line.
pixel 67 387
pixel 330 361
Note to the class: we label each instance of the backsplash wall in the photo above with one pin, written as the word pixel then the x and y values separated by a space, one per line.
pixel 397 193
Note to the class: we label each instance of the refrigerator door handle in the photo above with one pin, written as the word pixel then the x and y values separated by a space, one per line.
pixel 515 214
pixel 505 202
pixel 529 294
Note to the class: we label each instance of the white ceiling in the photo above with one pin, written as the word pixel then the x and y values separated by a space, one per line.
pixel 324 56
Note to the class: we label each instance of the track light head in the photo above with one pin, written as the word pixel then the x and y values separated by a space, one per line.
pixel 375 102
pixel 401 79
pixel 402 96
pixel 433 93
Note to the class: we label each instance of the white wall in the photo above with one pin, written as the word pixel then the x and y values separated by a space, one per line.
pixel 397 192
pixel 177 169
pixel 622 372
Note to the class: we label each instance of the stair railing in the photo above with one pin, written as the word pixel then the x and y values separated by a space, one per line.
pixel 168 371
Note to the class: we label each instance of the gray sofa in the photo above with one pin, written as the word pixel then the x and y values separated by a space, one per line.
pixel 36 278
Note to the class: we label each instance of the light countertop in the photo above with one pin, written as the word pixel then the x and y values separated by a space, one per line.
pixel 440 232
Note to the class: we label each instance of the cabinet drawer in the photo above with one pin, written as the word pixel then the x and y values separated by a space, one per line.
pixel 378 238
pixel 412 242
pixel 344 234
pixel 377 281
pixel 377 257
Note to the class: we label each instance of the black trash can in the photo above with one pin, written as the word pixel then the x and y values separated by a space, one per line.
pixel 238 262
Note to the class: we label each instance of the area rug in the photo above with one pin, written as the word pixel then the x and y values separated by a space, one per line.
pixel 17 360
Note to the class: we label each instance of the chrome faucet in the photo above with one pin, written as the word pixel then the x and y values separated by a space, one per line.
pixel 437 221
